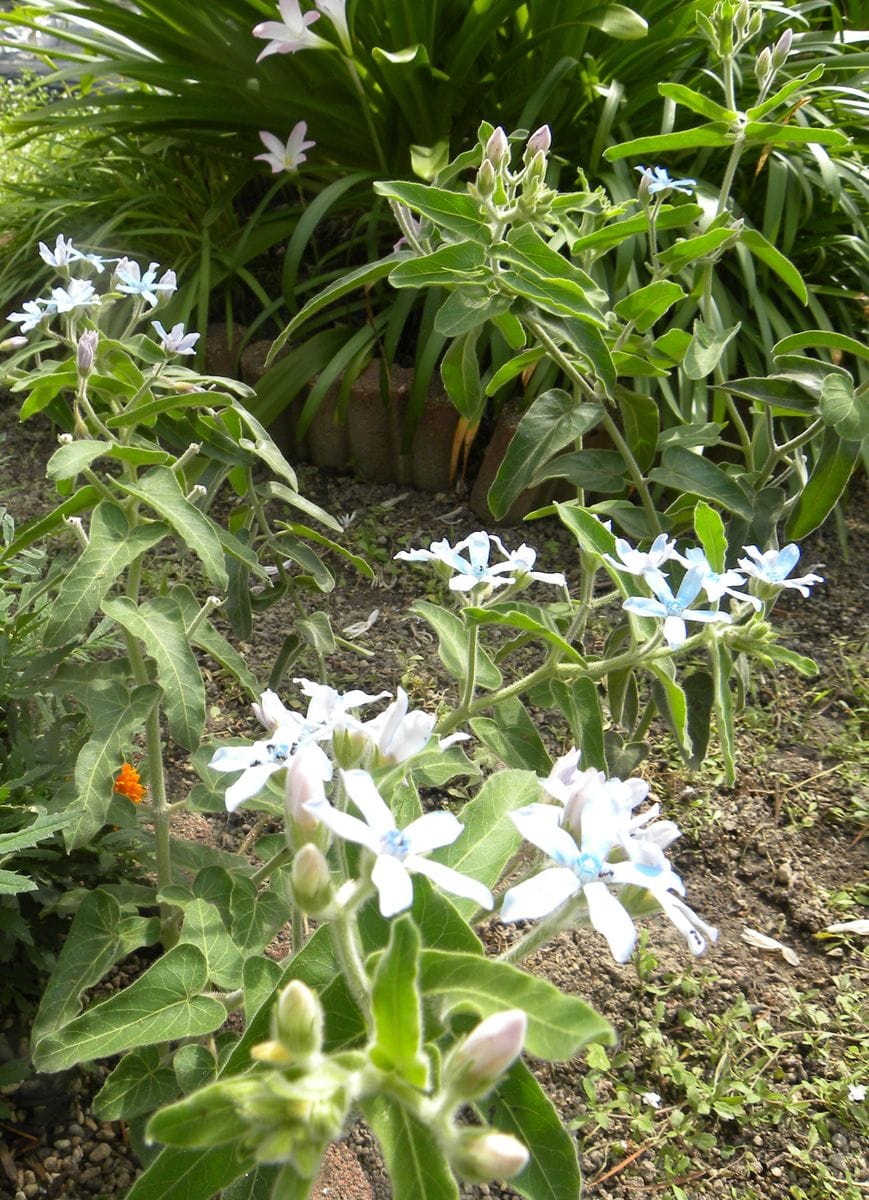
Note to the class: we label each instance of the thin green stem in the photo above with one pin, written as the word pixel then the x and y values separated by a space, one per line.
pixel 777 453
pixel 268 868
pixel 349 955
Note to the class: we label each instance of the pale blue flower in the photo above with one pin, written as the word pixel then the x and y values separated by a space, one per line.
pixel 674 609
pixel 521 563
pixel 33 311
pixel 291 33
pixel 176 341
pixel 637 562
pixel 79 293
pixel 585 868
pixel 658 180
pixel 715 583
pixel 287 157
pixel 398 853
pixel 129 279
pixel 470 571
pixel 776 565
pixel 62 254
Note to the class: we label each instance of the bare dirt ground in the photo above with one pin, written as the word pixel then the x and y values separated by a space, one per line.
pixel 738 1074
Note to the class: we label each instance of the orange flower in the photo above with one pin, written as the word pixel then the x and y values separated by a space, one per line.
pixel 129 784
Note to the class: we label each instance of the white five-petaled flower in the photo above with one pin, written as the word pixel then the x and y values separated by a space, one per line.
pixel 674 609
pixel 130 279
pixel 521 562
pixel 397 734
pixel 261 760
pixel 33 311
pixel 78 294
pixel 636 562
pixel 775 566
pixel 287 157
pixel 475 569
pixel 585 868
pixel 398 853
pixel 657 179
pixel 291 33
pixel 62 254
pixel 715 583
pixel 176 341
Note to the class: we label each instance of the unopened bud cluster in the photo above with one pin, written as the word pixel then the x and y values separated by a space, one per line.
pixel 507 195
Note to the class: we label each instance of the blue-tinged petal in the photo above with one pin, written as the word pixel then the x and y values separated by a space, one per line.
pixel 233 758
pixel 361 790
pixel 431 831
pixel 252 781
pixel 689 588
pixel 609 918
pixel 675 631
pixel 644 606
pixel 539 824
pixel 451 881
pixel 348 827
pixel 788 558
pixel 655 878
pixel 394 885
pixel 701 614
pixel 539 896
pixel 693 928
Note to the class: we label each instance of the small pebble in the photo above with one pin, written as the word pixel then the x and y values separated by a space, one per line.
pixel 100 1152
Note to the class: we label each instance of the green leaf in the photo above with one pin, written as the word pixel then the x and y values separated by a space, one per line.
pixel 699 691
pixel 519 1106
pixel 453 644
pixel 489 840
pixel 777 391
pixel 140 1083
pixel 559 1025
pixel 44 826
pixel 72 458
pixel 161 491
pixel 194 1066
pixel 162 1005
pixel 592 470
pixel 112 546
pixel 706 348
pixel 191 1174
pixel 395 1006
pixel 159 625
pixel 842 410
pixel 715 134
pixel 513 616
pixel 513 737
pixel 685 251
pixel 206 637
pixel 460 372
pixel 709 528
pixel 825 339
pixel 647 305
pixel 579 701
pixel 790 658
pixel 468 308
pixel 784 93
pixel 454 211
pixel 641 419
pixel 618 21
pixel 686 472
pixel 208 1117
pixel 618 231
pixel 85 498
pixel 705 106
pixel 513 367
pixel 454 263
pixel 827 482
pixel 776 261
pixel 12 884
pixel 770 133
pixel 672 703
pixel 116 715
pixel 204 929
pixel 417 1166
pixel 722 666
pixel 553 420
pixel 100 935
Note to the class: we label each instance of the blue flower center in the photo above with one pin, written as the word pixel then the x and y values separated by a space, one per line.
pixel 279 752
pixel 587 867
pixel 674 608
pixel 396 844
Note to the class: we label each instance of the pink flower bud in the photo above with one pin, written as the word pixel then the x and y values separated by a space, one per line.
pixel 84 357
pixel 497 147
pixel 541 139
pixel 479 1157
pixel 782 48
pixel 486 1053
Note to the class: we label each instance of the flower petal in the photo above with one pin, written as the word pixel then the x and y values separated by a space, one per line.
pixel 348 827
pixel 394 885
pixel 362 791
pixel 609 918
pixel 540 895
pixel 431 831
pixel 252 781
pixel 452 881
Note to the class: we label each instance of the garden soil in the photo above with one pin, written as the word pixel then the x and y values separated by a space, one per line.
pixel 780 853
